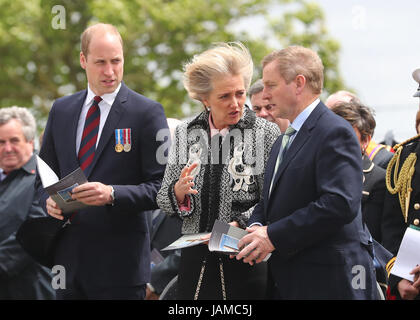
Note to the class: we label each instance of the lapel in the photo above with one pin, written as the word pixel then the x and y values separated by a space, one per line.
pixel 114 116
pixel 269 170
pixel 300 140
pixel 73 116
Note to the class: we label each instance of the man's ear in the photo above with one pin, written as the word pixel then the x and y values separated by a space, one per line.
pixel 300 81
pixel 82 60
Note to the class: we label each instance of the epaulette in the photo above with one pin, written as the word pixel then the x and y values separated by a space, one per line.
pixel 389 265
pixel 406 142
pixel 401 176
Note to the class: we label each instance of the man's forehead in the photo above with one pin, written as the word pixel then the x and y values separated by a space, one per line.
pixel 12 128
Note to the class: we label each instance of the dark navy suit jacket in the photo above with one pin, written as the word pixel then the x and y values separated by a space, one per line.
pixel 313 214
pixel 109 245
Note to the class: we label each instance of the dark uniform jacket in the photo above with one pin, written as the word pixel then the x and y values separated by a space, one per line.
pixel 20 276
pixel 373 197
pixel 394 222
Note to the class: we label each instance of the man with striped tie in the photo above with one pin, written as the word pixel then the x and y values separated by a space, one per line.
pixel 110 132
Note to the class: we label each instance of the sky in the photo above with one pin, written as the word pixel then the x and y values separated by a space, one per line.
pixel 380 49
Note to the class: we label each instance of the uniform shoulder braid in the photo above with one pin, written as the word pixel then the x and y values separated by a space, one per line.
pixel 401 177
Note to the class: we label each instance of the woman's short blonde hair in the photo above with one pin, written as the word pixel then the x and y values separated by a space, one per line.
pixel 223 59
pixel 298 60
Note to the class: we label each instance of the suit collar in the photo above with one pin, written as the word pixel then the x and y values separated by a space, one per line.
pixel 301 138
pixel 73 114
pixel 117 110
pixel 301 118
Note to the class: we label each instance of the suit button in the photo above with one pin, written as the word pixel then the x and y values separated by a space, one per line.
pixel 416 222
pixel 416 206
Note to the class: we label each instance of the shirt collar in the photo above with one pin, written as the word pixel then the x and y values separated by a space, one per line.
pixel 107 97
pixel 29 167
pixel 301 118
pixel 214 130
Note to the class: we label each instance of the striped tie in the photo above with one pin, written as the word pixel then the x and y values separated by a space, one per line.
pixel 284 146
pixel 90 135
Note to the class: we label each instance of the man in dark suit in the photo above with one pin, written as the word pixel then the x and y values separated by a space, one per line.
pixel 105 249
pixel 310 217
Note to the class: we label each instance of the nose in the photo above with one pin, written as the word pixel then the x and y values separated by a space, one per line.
pixel 263 113
pixel 265 94
pixel 7 146
pixel 234 102
pixel 108 70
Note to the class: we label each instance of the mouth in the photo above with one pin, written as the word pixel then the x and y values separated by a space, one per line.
pixel 108 82
pixel 233 113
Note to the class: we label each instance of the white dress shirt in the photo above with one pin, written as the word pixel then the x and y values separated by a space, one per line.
pixel 104 106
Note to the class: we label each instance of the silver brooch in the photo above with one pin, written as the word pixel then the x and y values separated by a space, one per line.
pixel 240 172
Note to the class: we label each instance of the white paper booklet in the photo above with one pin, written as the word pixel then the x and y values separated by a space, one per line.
pixel 408 255
pixel 60 190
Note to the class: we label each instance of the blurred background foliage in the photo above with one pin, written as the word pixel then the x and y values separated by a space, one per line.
pixel 40 59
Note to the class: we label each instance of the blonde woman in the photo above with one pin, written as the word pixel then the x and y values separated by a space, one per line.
pixel 216 171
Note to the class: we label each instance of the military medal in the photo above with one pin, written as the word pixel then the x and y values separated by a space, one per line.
pixel 118 140
pixel 127 140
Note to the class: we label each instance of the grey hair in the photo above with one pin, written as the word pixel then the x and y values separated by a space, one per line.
pixel 257 87
pixel 223 59
pixel 24 116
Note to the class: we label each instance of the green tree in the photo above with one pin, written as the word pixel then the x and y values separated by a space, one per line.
pixel 39 46
pixel 303 23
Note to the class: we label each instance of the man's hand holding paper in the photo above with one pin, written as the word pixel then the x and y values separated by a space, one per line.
pixel 93 194
pixel 256 246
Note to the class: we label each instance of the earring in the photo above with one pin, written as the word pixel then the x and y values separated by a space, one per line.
pixel 208 109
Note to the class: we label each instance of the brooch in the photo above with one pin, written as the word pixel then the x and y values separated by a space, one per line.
pixel 240 172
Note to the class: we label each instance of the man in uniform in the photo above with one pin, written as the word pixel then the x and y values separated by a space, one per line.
pixel 402 209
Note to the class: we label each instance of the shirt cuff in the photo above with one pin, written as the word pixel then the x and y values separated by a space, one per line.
pixel 255 224
pixel 185 205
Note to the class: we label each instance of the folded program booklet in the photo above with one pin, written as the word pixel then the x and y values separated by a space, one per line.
pixel 61 190
pixel 187 240
pixel 224 239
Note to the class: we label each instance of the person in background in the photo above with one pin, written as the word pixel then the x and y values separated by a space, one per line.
pixel 215 171
pixel 262 107
pixel 20 276
pixel 110 132
pixel 380 154
pixel 363 122
pixel 402 209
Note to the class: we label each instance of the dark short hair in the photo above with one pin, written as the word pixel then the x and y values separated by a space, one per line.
pixel 256 87
pixel 358 115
